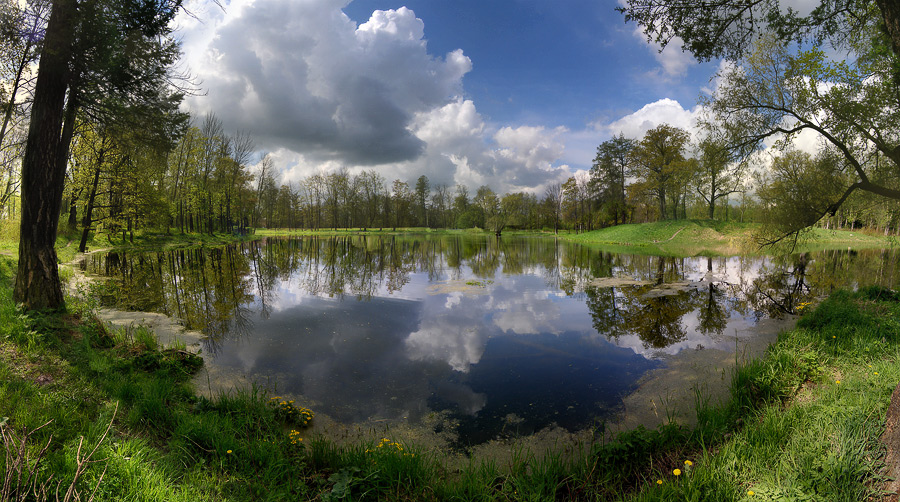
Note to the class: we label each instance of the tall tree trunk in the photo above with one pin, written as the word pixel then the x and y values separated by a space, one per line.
pixel 37 278
pixel 662 202
pixel 73 213
pixel 86 221
pixel 890 12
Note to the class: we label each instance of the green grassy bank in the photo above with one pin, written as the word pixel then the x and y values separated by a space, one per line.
pixel 709 237
pixel 670 238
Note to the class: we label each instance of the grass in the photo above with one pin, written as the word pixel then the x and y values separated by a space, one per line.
pixel 802 423
pixel 715 238
pixel 67 241
pixel 812 410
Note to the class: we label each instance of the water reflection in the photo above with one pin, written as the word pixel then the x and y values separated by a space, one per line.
pixel 503 336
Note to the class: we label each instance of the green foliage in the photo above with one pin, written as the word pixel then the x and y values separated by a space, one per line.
pixel 631 451
pixel 727 29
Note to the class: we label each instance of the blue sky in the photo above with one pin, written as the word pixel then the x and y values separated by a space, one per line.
pixel 514 94
pixel 552 62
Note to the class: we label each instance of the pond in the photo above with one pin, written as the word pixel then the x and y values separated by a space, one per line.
pixel 497 337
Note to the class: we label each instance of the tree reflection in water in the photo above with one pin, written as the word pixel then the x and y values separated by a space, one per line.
pixel 220 290
pixel 530 331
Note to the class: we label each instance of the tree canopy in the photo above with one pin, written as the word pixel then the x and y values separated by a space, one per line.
pixel 729 28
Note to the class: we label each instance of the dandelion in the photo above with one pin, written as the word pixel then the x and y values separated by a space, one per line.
pixel 659 481
pixel 228 452
pixel 750 493
pixel 688 463
pixel 677 472
pixel 837 382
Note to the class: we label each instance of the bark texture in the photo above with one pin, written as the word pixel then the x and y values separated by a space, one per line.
pixel 890 11
pixel 43 176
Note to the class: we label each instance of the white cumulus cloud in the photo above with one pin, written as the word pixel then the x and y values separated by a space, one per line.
pixel 663 111
pixel 322 92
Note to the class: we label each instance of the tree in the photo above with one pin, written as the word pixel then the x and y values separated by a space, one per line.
pixel 422 191
pixel 119 51
pixel 658 162
pixel 440 200
pixel 553 198
pixel 798 189
pixel 729 28
pixel 19 44
pixel 856 98
pixel 608 174
pixel 401 202
pixel 460 206
pixel 852 106
pixel 488 204
pixel 718 174
pixel 517 209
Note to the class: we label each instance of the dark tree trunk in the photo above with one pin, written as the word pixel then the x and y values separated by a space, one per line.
pixel 73 213
pixel 890 12
pixel 37 278
pixel 86 221
pixel 662 202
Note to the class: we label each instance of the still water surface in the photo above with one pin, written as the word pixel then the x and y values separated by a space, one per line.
pixel 498 336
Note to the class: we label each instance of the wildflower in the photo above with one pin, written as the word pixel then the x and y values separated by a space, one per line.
pixel 688 463
pixel 677 472
pixel 837 381
pixel 659 481
pixel 228 452
pixel 876 372
pixel 750 493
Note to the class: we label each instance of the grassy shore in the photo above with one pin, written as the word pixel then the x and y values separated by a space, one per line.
pixel 716 238
pixel 669 238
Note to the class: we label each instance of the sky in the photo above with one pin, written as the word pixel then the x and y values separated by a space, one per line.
pixel 512 94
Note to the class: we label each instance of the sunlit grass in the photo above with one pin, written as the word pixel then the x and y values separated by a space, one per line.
pixel 711 237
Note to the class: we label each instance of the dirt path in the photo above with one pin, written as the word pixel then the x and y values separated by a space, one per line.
pixel 670 238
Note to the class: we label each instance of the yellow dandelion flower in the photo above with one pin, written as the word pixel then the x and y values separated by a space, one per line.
pixel 229 451
pixel 688 463
pixel 837 381
pixel 876 372
pixel 659 481
pixel 677 472
pixel 750 493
